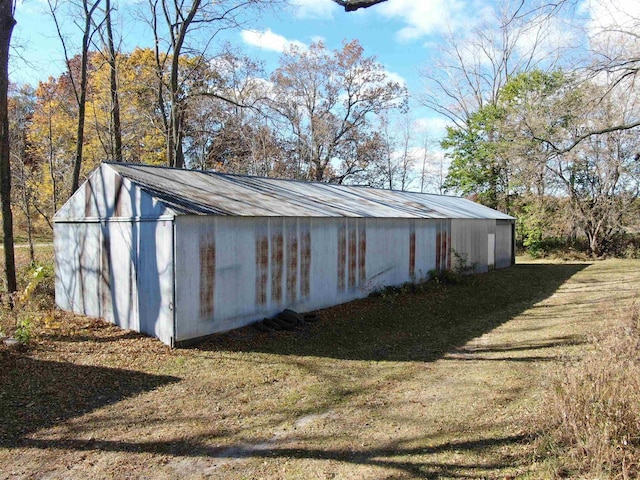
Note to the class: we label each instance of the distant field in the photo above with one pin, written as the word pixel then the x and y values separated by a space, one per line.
pixel 443 383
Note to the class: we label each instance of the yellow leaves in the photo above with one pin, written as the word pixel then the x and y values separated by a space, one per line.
pixel 49 321
pixel 37 276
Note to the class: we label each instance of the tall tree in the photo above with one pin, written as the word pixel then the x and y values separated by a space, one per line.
pixel 394 167
pixel 7 22
pixel 113 83
pixel 188 27
pixel 577 129
pixel 542 135
pixel 21 106
pixel 52 142
pixel 79 78
pixel 326 100
pixel 476 63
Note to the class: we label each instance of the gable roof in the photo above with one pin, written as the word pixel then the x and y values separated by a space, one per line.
pixel 195 192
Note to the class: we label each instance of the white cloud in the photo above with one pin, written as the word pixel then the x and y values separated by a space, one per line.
pixel 434 127
pixel 395 77
pixel 612 25
pixel 268 40
pixel 423 17
pixel 314 8
pixel 606 14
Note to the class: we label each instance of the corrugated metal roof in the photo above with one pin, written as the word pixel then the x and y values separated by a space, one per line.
pixel 195 192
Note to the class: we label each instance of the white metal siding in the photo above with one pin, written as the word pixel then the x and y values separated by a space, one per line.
pixel 120 271
pixel 469 239
pixel 231 271
pixel 107 195
pixel 308 246
pixel 154 279
pixel 504 243
pixel 76 288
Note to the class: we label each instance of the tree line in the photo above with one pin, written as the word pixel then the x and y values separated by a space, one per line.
pixel 316 117
pixel 541 129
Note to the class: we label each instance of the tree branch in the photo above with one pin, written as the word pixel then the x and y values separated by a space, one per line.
pixel 353 5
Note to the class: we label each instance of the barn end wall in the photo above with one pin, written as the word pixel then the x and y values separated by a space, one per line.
pixel 482 244
pixel 121 271
pixel 232 271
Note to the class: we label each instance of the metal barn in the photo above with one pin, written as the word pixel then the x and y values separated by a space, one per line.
pixel 181 254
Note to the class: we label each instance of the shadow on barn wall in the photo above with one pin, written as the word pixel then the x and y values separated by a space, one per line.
pixel 412 326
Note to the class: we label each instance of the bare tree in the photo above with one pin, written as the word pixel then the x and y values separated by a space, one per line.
pixel 78 79
pixel 353 5
pixel 394 168
pixel 615 43
pixel 7 22
pixel 476 64
pixel 325 100
pixel 113 82
pixel 21 106
pixel 188 27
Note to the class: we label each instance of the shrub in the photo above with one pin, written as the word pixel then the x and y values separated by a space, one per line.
pixel 594 406
pixel 23 331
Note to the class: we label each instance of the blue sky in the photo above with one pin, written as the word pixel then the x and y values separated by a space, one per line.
pixel 401 34
pixel 396 40
pixel 404 35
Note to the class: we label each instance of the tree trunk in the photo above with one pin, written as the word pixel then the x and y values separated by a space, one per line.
pixel 115 101
pixel 82 100
pixel 7 22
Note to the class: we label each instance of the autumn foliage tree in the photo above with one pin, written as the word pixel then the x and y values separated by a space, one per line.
pixel 325 100
pixel 189 28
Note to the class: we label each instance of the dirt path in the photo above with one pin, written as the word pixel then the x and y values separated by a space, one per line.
pixel 248 413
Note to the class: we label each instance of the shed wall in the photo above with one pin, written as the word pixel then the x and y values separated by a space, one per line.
pixel 121 271
pixel 106 195
pixel 470 242
pixel 504 243
pixel 483 243
pixel 231 271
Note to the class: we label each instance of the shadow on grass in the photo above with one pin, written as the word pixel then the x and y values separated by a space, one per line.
pixel 36 394
pixel 411 326
pixel 402 459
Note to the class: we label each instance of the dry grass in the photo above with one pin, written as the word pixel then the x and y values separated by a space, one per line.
pixel 593 414
pixel 444 383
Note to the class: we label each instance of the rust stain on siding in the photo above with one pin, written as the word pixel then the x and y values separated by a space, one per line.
pixel 438 249
pixel 352 256
pixel 117 183
pixel 207 275
pixel 292 266
pixel 342 256
pixel 412 253
pixel 88 197
pixel 305 263
pixel 277 256
pixel 262 268
pixel 362 253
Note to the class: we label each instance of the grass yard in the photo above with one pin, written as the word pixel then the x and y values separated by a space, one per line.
pixel 445 383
